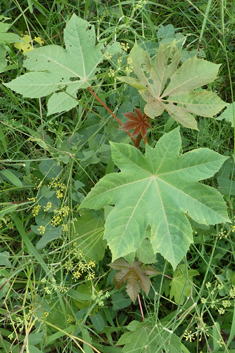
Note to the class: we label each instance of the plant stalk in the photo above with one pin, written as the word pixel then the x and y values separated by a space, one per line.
pixel 137 141
pixel 110 111
pixel 141 309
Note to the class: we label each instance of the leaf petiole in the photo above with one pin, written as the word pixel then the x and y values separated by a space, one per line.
pixel 110 111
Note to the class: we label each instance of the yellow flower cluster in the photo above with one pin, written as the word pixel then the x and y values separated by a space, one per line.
pixel 56 220
pixel 47 207
pixel 80 268
pixel 221 311
pixel 99 297
pixel 69 265
pixel 77 275
pixel 90 275
pixel 65 227
pixel 59 216
pixel 140 4
pixel 65 211
pixel 41 229
pixel 111 73
pixel 124 46
pixel 62 288
pixel 189 336
pixel 8 220
pixel 215 303
pixel 222 234
pixel 70 319
pixel 108 56
pixel 35 210
pixel 226 303
pixel 61 187
pixel 44 316
pixel 128 69
pixel 232 292
pixel 77 252
pixel 129 60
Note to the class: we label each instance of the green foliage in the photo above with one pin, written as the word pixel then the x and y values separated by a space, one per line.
pixel 225 178
pixel 142 337
pixel 183 101
pixel 228 114
pixel 59 69
pixel 9 175
pixel 90 232
pixel 181 286
pixel 85 292
pixel 5 39
pixel 158 190
pixel 57 290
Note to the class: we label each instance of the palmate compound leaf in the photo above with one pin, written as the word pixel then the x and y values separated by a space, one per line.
pixel 135 275
pixel 58 69
pixel 158 189
pixel 149 337
pixel 163 86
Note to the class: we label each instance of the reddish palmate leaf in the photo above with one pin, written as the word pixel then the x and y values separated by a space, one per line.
pixel 137 122
pixel 135 275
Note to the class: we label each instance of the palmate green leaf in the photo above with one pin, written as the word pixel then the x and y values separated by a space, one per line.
pixel 164 86
pixel 57 69
pixel 147 337
pixel 89 239
pixel 228 114
pixel 180 283
pixel 159 189
pixel 226 183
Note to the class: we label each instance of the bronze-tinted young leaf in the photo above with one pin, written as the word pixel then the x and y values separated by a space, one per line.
pixel 135 275
pixel 137 122
pixel 165 86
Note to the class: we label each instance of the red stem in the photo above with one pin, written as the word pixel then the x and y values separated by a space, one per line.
pixel 141 309
pixel 110 111
pixel 137 141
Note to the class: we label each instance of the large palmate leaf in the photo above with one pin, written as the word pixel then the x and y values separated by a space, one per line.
pixel 158 189
pixel 62 69
pixel 164 86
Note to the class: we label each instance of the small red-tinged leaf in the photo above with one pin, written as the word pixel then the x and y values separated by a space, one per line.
pixel 119 264
pixel 119 278
pixel 138 123
pixel 134 275
pixel 133 288
pixel 145 282
pixel 149 270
